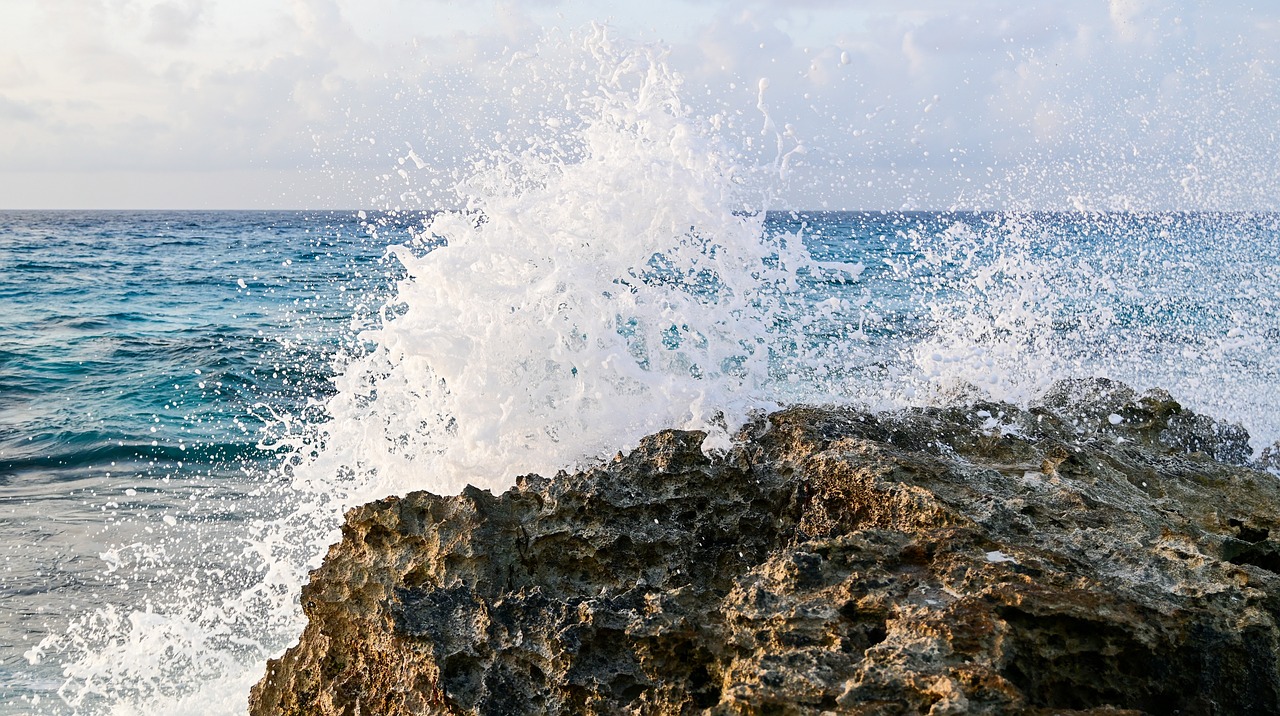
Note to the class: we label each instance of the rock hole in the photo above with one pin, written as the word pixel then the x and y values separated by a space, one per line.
pixel 866 629
pixel 462 677
pixel 1265 554
pixel 703 689
pixel 1066 662
pixel 626 689
pixel 1247 533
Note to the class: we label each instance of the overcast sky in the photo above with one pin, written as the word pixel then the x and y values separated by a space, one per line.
pixel 929 104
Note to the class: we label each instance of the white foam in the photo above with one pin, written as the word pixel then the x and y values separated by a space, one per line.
pixel 597 287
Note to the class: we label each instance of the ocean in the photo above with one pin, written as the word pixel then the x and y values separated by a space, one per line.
pixel 190 400
pixel 144 354
pixel 158 368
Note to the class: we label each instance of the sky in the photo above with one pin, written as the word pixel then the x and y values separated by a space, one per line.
pixel 900 104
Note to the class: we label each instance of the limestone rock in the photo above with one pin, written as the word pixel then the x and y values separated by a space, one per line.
pixel 977 559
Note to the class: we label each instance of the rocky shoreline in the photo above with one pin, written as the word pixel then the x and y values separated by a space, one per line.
pixel 1099 552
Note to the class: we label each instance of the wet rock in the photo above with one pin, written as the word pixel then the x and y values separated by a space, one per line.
pixel 1269 459
pixel 976 559
pixel 1101 407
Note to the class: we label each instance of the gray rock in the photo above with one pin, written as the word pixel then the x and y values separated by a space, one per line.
pixel 977 559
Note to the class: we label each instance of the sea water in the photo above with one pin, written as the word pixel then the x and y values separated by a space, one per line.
pixel 143 355
pixel 188 401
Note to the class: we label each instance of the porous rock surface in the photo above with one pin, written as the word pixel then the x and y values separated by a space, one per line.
pixel 1086 555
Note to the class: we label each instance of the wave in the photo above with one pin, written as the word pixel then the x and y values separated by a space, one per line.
pixel 65 454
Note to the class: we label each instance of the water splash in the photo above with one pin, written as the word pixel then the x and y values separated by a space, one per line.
pixel 597 286
pixel 1177 301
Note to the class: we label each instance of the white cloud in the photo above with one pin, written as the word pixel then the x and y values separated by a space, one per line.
pixel 172 23
pixel 922 103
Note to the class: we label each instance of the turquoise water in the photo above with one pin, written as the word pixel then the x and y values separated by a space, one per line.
pixel 152 363
pixel 123 322
pixel 143 353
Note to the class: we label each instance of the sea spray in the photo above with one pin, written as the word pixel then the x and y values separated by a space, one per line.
pixel 598 285
pixel 1018 300
pixel 992 301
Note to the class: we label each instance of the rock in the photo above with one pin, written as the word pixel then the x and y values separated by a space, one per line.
pixel 1098 406
pixel 981 559
pixel 1270 457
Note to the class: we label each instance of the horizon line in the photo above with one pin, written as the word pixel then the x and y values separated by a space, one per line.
pixel 354 211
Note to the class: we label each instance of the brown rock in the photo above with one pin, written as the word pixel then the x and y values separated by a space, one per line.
pixel 966 560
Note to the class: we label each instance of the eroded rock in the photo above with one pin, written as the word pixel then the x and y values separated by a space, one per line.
pixel 963 560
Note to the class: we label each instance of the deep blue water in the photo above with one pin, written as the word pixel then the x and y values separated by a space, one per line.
pixel 143 354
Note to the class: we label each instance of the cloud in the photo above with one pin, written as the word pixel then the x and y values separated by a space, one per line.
pixel 17 111
pixel 171 23
pixel 922 103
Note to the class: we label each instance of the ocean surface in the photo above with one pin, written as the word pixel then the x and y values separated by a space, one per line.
pixel 143 354
pixel 165 380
